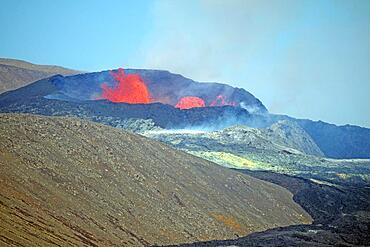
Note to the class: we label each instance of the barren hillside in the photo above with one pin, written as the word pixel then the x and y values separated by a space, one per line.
pixel 66 181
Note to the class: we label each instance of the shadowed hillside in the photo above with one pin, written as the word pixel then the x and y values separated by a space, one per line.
pixel 72 182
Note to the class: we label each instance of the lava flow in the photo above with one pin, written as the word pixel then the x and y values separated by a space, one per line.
pixel 190 102
pixel 130 88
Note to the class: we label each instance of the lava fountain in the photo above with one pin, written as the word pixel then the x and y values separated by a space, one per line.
pixel 188 102
pixel 130 88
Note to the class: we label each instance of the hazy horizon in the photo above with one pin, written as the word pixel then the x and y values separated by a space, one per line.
pixel 306 59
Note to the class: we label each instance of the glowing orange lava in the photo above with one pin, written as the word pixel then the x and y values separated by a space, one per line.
pixel 221 100
pixel 190 102
pixel 129 89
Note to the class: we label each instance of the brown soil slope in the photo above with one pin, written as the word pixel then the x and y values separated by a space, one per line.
pixel 70 182
pixel 17 73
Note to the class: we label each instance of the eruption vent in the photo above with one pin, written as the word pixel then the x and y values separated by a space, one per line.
pixel 221 100
pixel 129 89
pixel 190 102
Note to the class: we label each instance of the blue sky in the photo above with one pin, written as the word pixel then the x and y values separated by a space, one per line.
pixel 308 59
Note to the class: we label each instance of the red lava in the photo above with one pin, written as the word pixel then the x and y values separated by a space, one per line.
pixel 190 102
pixel 130 88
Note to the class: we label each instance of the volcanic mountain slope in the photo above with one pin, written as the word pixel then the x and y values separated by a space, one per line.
pixel 71 182
pixel 290 134
pixel 17 73
pixel 280 136
pixel 278 148
pixel 34 99
pixel 339 142
pixel 162 86
pixel 346 142
pixel 78 96
pixel 171 87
